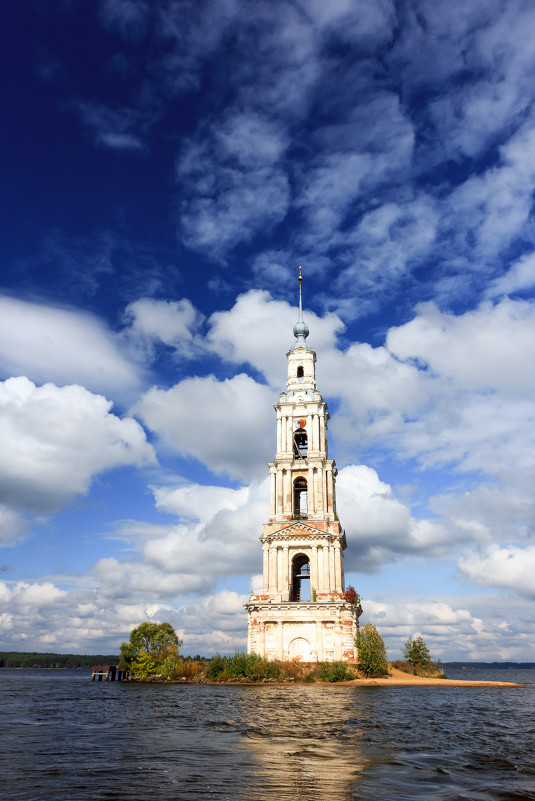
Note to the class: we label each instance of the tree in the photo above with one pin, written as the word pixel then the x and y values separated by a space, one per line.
pixel 150 644
pixel 371 652
pixel 417 653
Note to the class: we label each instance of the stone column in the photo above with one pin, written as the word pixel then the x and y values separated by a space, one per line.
pixel 320 570
pixel 338 568
pixel 314 570
pixel 326 571
pixel 317 432
pixel 285 574
pixel 311 493
pixel 283 433
pixel 290 445
pixel 265 567
pixel 279 433
pixel 280 490
pixel 322 433
pixel 332 572
pixel 279 640
pixel 279 570
pixel 273 568
pixel 272 492
pixel 287 493
pixel 328 489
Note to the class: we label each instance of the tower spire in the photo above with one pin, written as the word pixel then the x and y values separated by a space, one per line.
pixel 300 328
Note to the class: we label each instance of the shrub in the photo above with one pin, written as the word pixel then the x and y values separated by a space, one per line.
pixel 371 652
pixel 215 667
pixel 351 595
pixel 143 666
pixel 336 671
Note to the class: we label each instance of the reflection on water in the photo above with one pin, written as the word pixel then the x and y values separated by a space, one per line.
pixel 300 743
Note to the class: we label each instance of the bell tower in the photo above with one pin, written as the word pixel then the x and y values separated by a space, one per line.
pixel 302 612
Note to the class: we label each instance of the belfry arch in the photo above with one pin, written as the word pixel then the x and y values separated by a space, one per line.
pixel 300 443
pixel 300 497
pixel 301 590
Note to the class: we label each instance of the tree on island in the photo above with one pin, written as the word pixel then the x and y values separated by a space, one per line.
pixel 417 653
pixel 371 652
pixel 153 648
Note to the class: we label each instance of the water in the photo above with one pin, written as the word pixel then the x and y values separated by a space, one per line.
pixel 65 738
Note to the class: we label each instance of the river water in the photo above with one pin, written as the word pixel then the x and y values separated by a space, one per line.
pixel 65 738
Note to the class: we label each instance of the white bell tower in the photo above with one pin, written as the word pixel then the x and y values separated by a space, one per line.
pixel 302 612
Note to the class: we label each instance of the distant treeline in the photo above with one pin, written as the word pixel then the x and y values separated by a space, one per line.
pixel 16 659
pixel 489 665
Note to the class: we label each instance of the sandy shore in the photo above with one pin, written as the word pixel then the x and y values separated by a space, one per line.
pixel 399 679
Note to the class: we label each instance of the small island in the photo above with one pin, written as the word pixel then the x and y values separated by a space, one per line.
pixel 152 655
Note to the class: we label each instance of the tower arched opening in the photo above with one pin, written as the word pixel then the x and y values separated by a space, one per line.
pixel 300 497
pixel 300 578
pixel 300 444
pixel 300 371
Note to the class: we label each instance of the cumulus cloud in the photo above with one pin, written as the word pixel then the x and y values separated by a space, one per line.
pixel 54 440
pixel 62 345
pixel 258 331
pixel 224 424
pixel 508 567
pixel 479 627
pixel 226 539
pixel 380 528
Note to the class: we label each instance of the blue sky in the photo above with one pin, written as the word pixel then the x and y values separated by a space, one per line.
pixel 167 167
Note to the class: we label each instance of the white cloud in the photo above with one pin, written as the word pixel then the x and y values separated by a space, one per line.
pixel 226 542
pixel 484 349
pixel 13 527
pixel 196 502
pixel 62 345
pixel 381 529
pixel 520 277
pixel 232 183
pixel 509 567
pixel 55 440
pixel 480 627
pixel 259 331
pixel 225 424
pixel 174 323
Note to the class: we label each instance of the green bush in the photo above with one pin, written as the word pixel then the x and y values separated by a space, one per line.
pixel 241 666
pixel 336 671
pixel 371 652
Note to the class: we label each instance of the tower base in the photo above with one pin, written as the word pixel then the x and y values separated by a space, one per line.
pixel 308 631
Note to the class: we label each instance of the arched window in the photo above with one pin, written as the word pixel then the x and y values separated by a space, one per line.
pixel 300 497
pixel 300 371
pixel 300 578
pixel 300 443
